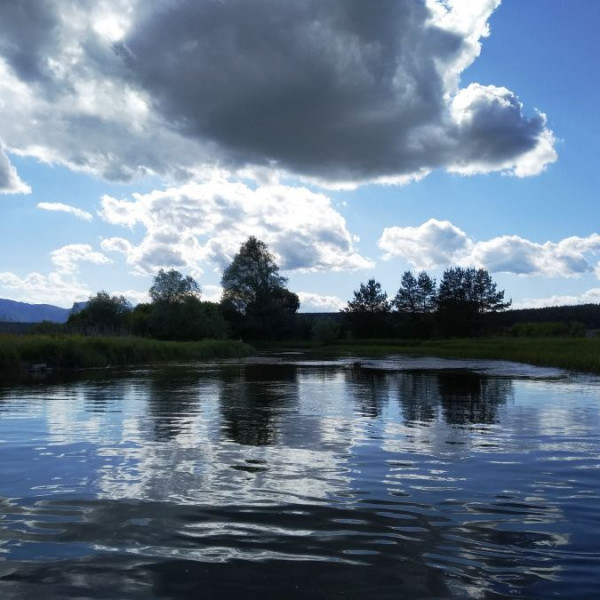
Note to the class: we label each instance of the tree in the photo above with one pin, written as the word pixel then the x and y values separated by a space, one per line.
pixel 464 296
pixel 176 311
pixel 172 287
pixel 369 298
pixel 486 294
pixel 406 300
pixel 255 297
pixel 102 314
pixel 473 287
pixel 416 295
pixel 187 320
pixel 426 293
pixel 416 299
pixel 367 313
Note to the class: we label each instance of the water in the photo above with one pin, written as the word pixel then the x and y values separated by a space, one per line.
pixel 400 478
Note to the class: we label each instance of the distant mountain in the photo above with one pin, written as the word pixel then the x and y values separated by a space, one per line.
pixel 21 312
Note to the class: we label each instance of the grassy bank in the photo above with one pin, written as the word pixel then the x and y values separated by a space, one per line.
pixel 74 351
pixel 578 354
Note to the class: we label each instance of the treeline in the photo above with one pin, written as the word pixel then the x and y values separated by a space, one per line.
pixel 421 308
pixel 256 304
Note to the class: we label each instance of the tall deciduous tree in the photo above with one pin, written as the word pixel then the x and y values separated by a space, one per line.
pixel 176 311
pixel 172 287
pixel 102 314
pixel 255 296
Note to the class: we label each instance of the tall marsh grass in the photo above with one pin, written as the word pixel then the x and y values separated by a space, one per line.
pixel 74 351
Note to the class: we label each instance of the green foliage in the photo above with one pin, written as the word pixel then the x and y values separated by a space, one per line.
pixel 464 295
pixel 76 351
pixel 139 320
pixel 416 299
pixel 325 331
pixel 172 287
pixel 472 288
pixel 251 277
pixel 46 328
pixel 367 313
pixel 416 295
pixel 369 298
pixel 255 299
pixel 188 320
pixel 551 329
pixel 103 314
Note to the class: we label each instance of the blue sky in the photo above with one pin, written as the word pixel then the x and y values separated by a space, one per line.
pixel 357 140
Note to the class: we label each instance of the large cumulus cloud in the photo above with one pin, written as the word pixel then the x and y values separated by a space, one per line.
pixel 194 224
pixel 336 91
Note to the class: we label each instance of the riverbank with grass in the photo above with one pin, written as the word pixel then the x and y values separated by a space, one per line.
pixel 576 353
pixel 26 352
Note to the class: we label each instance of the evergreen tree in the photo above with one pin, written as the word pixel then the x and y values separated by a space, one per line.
pixel 426 293
pixel 464 296
pixel 416 295
pixel 368 312
pixel 407 298
pixel 369 298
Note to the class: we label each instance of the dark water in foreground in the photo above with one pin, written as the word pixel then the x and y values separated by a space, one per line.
pixel 401 479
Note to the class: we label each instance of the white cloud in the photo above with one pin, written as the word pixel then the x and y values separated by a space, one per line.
pixel 440 243
pixel 431 244
pixel 134 296
pixel 197 223
pixel 591 296
pixel 61 286
pixel 310 302
pixel 212 293
pixel 67 258
pixel 60 207
pixel 10 182
pixel 347 92
pixel 58 289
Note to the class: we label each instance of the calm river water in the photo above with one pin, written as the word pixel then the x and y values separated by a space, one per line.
pixel 277 478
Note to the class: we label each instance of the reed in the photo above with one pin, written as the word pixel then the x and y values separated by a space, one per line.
pixel 75 351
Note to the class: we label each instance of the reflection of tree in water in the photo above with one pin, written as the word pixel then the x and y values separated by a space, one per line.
pixel 419 394
pixel 369 390
pixel 469 397
pixel 252 401
pixel 464 397
pixel 172 399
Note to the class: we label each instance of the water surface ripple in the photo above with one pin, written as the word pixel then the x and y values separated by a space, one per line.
pixel 282 478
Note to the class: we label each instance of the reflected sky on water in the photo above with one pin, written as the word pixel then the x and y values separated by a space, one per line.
pixel 433 479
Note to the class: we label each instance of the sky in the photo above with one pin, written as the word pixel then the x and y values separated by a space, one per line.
pixel 357 139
